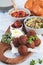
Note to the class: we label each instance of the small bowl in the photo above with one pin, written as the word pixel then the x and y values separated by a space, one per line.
pixel 21 9
pixel 11 28
pixel 38 31
pixel 15 24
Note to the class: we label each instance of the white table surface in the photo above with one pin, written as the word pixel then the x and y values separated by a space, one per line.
pixel 5 21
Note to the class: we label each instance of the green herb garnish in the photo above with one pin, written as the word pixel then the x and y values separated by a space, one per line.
pixel 30 41
pixel 35 37
pixel 39 61
pixel 32 38
pixel 32 62
pixel 6 38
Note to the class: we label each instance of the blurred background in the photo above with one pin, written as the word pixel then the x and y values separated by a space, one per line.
pixel 5 5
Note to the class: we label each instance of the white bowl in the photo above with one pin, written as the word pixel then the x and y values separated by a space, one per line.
pixel 38 31
pixel 16 28
pixel 21 18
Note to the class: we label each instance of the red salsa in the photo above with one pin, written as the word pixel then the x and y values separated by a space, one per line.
pixel 17 24
pixel 19 14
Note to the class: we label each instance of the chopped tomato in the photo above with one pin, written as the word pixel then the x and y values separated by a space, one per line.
pixel 19 14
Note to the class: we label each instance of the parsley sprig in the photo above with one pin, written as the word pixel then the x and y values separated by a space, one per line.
pixel 33 62
pixel 31 38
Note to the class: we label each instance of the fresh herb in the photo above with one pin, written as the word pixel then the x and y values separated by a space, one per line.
pixel 30 41
pixel 31 38
pixel 6 38
pixel 35 37
pixel 32 62
pixel 39 61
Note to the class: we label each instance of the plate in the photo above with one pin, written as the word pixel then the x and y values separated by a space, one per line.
pixel 5 3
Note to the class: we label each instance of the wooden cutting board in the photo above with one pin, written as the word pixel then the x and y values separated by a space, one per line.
pixel 18 59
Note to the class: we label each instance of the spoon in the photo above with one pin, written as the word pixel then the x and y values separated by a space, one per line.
pixel 14 5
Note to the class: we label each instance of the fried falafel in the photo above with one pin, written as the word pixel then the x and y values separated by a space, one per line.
pixel 31 33
pixel 15 42
pixel 37 42
pixel 32 45
pixel 23 50
pixel 23 39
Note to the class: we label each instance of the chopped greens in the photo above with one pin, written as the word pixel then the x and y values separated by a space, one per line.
pixel 31 38
pixel 39 61
pixel 6 38
pixel 30 41
pixel 32 62
pixel 36 37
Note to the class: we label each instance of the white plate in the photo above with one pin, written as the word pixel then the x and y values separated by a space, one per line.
pixel 5 3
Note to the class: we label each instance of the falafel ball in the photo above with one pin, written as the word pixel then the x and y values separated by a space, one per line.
pixel 37 42
pixel 23 50
pixel 31 33
pixel 15 42
pixel 23 39
pixel 32 45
